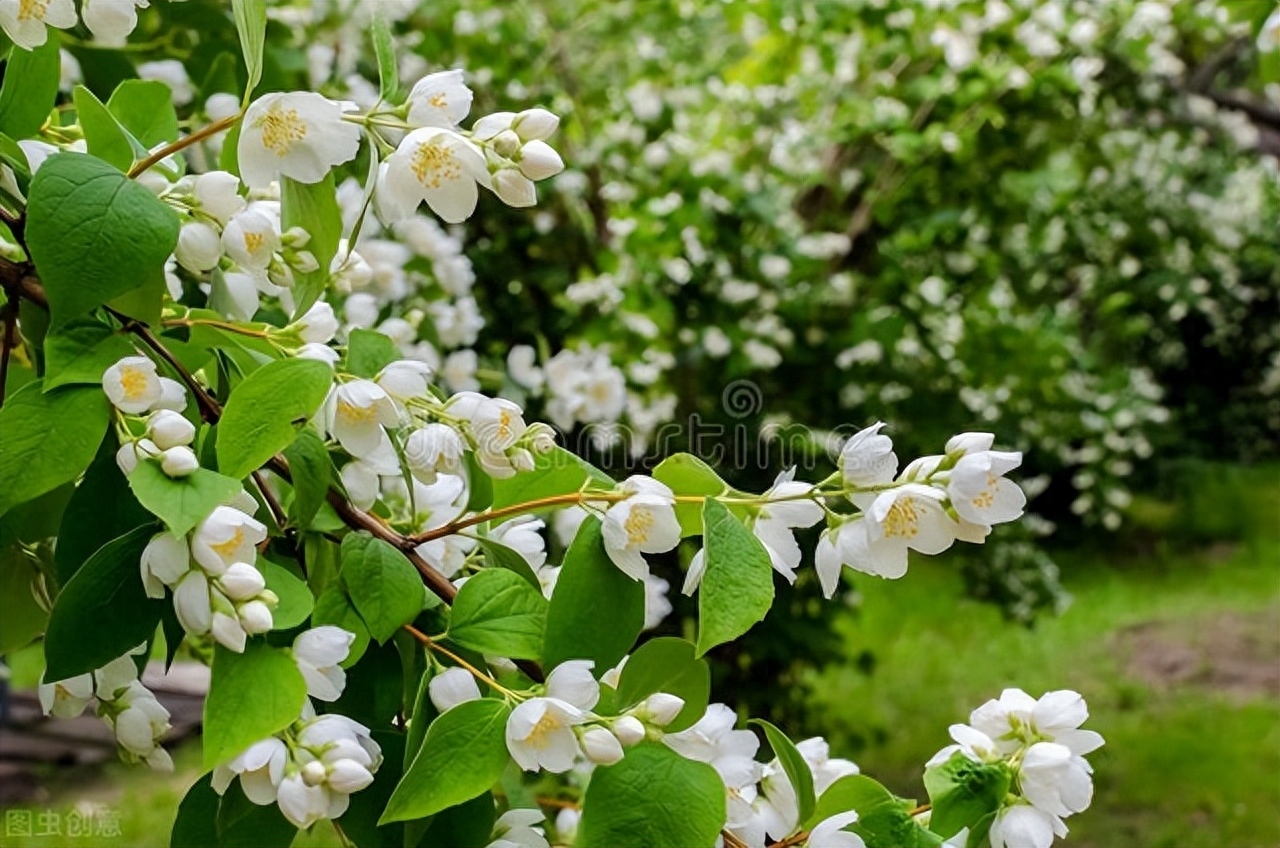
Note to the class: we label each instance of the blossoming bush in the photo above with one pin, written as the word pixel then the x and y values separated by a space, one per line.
pixel 198 448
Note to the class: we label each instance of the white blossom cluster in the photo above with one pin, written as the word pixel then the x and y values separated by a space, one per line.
pixel 311 768
pixel 1042 742
pixel 130 709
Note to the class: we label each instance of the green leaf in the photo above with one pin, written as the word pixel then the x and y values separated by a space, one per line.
pixel 384 47
pixel 265 412
pixel 296 602
pixel 369 351
pixel 314 207
pixel 312 473
pixel 498 612
pixel 196 825
pixel 79 351
pixel 334 607
pixel 884 821
pixel 145 109
pixel 556 472
pixel 385 589
pixel 466 825
pixel 653 796
pixel 181 502
pixel 251 696
pixel 596 611
pixel 852 792
pixel 793 764
pixel 29 90
pixel 737 587
pixel 102 508
pixel 240 823
pixel 94 234
pixel 685 474
pixel 671 665
pixel 251 26
pixel 47 439
pixel 23 618
pixel 479 485
pixel 498 554
pixel 103 612
pixel 463 756
pixel 103 134
pixel 962 792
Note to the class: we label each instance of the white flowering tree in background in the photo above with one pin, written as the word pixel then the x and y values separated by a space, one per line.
pixel 243 420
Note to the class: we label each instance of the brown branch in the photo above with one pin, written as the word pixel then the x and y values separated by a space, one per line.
pixel 269 498
pixel 8 340
pixel 503 512
pixel 19 281
pixel 185 142
pixel 17 225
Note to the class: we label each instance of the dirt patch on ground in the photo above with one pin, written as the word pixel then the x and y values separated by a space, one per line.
pixel 1234 654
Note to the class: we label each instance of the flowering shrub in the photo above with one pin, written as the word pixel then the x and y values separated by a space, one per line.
pixel 244 404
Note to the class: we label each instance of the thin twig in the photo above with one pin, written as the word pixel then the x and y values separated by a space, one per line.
pixel 185 142
pixel 269 497
pixel 7 342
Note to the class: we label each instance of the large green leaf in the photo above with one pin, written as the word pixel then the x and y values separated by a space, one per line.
pixel 795 766
pixel 251 26
pixel 103 612
pixel 145 109
pixel 737 587
pixel 23 619
pixel 385 589
pixel 671 665
pixel 103 134
pixel 102 508
pixel 182 502
pixel 596 611
pixel 498 612
pixel 47 439
pixel 369 351
pixel 384 48
pixel 296 601
pixel 653 796
pixel 685 474
pixel 314 207
pixel 463 756
pixel 80 351
pixel 556 472
pixel 30 89
pixel 312 473
pixel 963 792
pixel 94 234
pixel 264 413
pixel 251 696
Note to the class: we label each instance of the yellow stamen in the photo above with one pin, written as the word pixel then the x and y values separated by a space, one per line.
pixel 227 548
pixel 903 519
pixel 32 9
pixel 438 100
pixel 356 414
pixel 253 241
pixel 638 523
pixel 134 381
pixel 281 129
pixel 538 735
pixel 434 164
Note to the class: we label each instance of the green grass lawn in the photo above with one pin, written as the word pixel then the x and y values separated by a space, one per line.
pixel 1177 653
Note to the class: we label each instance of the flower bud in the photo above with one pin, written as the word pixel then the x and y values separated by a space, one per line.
pixel 169 429
pixel 167 558
pixel 601 746
pixel 319 352
pixel 255 617
pixel 535 124
pixel 490 125
pixel 318 325
pixel 229 632
pixel 539 161
pixel 405 378
pixel 970 443
pixel 451 687
pixel 360 479
pixel 218 194
pixel 199 247
pixel 541 437
pixel 314 773
pixel 662 708
pixel 191 603
pixel 347 776
pixel 173 395
pixel 506 143
pixel 514 188
pixel 133 731
pixel 127 458
pixel 629 730
pixel 179 461
pixel 241 581
pixel 361 310
pixel 522 460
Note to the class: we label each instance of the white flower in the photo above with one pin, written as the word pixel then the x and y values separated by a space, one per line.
pixel 318 325
pixel 538 161
pixel 361 481
pixel 629 730
pixel 867 459
pixel 406 378
pixel 656 605
pixel 172 73
pixel 251 238
pixel 435 165
pixel 777 805
pixel 235 293
pixel 974 744
pixel 24 21
pixel 199 247
pixel 522 536
pixel 1024 826
pixel 435 448
pixel 191 603
pixel 318 652
pixel 357 412
pixel 522 365
pixel 132 384
pixel 115 678
pixel 1016 718
pixel 826 769
pixel 260 767
pixel 229 632
pixel 439 100
pixel 299 135
pixel 540 730
pixel 514 189
pixel 302 803
pixel 255 617
pixel 1056 780
pixel 831 833
pixel 979 492
pixel 142 723
pixel 165 560
pixel 111 21
pixel 218 194
pixel 225 537
pixel 515 829
pixel 1269 35
pixel 179 461
pixel 67 698
pixel 714 740
pixel 451 687
pixel 644 522
pixel 169 429
pixel 320 353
